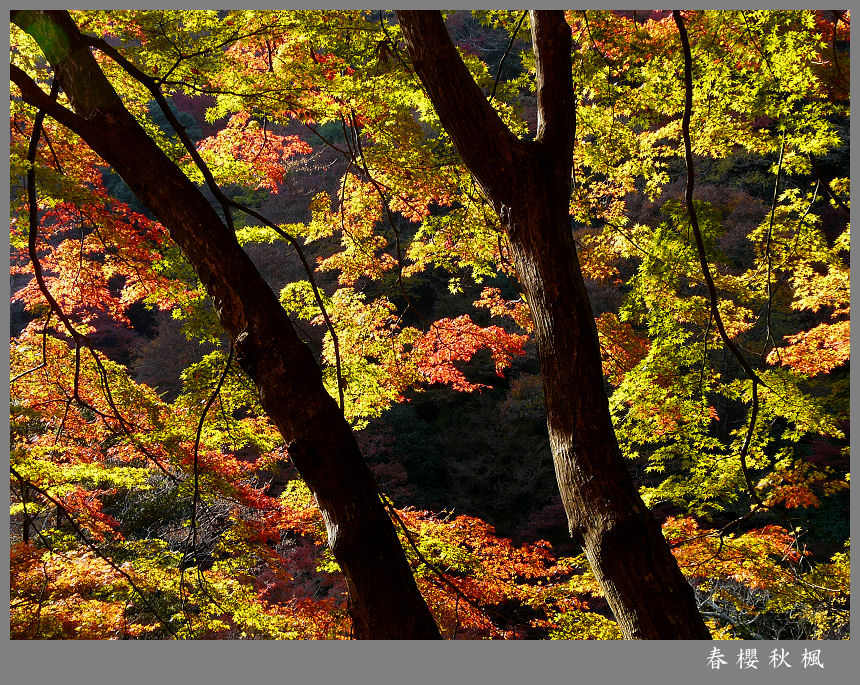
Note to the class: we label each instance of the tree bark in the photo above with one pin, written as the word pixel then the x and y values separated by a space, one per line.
pixel 529 184
pixel 385 602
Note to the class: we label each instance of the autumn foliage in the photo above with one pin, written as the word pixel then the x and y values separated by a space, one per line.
pixel 137 513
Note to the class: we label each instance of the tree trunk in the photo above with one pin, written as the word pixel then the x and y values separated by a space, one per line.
pixel 385 602
pixel 529 184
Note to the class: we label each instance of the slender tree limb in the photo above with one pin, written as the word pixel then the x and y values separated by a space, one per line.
pixel 317 296
pixel 196 463
pixel 507 51
pixel 33 213
pixel 700 246
pixel 746 446
pixel 769 335
pixel 705 358
pixel 688 199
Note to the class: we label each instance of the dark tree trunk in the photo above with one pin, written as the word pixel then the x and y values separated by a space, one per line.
pixel 529 184
pixel 385 602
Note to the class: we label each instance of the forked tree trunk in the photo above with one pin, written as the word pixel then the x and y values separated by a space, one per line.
pixel 385 602
pixel 529 184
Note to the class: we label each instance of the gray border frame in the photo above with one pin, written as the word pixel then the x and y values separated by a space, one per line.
pixel 214 663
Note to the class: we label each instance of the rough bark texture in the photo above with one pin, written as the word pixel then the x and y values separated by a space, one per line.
pixel 529 183
pixel 385 601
